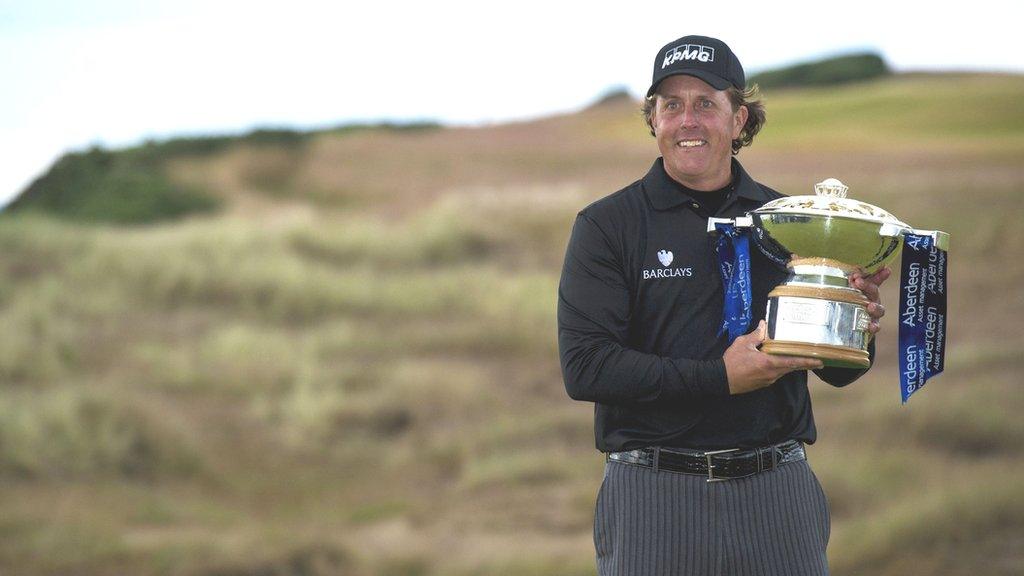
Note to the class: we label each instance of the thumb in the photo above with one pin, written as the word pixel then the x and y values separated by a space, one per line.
pixel 754 338
pixel 761 332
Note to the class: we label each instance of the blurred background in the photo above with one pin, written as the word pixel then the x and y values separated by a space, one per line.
pixel 278 284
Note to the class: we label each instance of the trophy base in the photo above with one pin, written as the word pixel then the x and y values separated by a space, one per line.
pixel 839 356
pixel 815 321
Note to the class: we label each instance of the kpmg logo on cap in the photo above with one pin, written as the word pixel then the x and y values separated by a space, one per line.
pixel 688 52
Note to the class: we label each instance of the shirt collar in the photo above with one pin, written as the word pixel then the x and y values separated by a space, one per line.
pixel 665 193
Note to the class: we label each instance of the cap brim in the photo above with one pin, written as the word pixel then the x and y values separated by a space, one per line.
pixel 716 81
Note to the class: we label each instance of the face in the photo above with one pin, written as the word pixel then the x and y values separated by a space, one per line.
pixel 695 126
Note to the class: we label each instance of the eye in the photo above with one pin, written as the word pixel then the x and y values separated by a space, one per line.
pixel 672 105
pixel 705 103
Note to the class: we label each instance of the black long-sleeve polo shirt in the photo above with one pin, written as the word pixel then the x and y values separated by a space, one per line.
pixel 639 313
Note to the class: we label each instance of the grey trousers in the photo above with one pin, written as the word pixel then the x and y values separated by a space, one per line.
pixel 650 523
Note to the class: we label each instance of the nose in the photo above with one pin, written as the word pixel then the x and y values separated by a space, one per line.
pixel 688 119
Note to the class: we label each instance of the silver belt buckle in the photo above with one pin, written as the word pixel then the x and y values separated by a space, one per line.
pixel 711 467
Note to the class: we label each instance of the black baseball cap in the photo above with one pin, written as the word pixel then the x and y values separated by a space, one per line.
pixel 706 58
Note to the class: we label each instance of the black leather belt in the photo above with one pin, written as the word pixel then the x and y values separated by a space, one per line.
pixel 716 464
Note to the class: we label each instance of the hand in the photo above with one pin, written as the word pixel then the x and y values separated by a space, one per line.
pixel 869 286
pixel 749 369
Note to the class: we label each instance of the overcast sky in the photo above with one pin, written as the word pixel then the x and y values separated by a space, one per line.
pixel 115 72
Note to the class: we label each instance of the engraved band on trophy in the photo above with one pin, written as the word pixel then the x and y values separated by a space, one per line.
pixel 823 239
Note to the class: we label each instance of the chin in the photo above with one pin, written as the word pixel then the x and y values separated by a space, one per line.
pixel 691 170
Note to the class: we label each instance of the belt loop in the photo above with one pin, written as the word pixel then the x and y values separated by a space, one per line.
pixel 657 455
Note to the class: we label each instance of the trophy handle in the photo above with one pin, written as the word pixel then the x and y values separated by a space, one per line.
pixel 940 238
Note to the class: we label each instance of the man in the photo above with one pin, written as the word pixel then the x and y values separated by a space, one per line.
pixel 639 317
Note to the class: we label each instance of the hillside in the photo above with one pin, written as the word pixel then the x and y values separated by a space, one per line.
pixel 348 364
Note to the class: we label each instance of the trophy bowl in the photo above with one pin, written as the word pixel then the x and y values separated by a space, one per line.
pixel 823 239
pixel 828 226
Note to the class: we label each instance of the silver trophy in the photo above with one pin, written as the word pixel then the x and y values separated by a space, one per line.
pixel 823 239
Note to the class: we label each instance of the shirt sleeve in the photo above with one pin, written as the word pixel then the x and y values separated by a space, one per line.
pixel 840 377
pixel 594 307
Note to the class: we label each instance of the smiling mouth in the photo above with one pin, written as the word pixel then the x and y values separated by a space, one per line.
pixel 691 143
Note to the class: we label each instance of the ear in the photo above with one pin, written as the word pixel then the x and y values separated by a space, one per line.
pixel 654 112
pixel 739 119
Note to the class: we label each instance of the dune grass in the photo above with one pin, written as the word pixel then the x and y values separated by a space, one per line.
pixel 302 384
pixel 67 433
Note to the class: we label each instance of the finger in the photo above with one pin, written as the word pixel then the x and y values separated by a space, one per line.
pixel 876 310
pixel 870 289
pixel 790 363
pixel 881 276
pixel 874 327
pixel 805 364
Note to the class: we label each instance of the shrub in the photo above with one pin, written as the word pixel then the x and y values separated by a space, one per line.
pixel 838 70
pixel 102 186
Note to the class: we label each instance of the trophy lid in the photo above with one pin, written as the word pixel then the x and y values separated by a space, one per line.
pixel 830 200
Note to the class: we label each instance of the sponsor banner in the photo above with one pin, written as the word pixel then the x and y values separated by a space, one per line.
pixel 922 333
pixel 734 263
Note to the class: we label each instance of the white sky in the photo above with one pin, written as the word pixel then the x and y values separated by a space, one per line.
pixel 115 72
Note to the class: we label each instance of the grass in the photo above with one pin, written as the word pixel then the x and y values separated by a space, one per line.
pixel 948 517
pixel 876 115
pixel 304 383
pixel 67 434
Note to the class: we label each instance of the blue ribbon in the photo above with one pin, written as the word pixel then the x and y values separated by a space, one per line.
pixel 922 313
pixel 734 262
